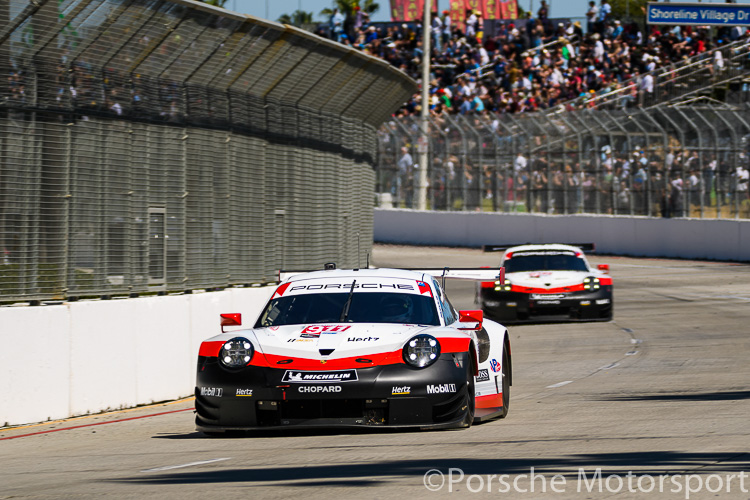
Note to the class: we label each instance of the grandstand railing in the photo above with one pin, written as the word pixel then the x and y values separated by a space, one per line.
pixel 683 79
pixel 164 146
pixel 666 161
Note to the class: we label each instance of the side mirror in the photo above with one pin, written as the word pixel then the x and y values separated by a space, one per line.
pixel 603 267
pixel 233 319
pixel 471 320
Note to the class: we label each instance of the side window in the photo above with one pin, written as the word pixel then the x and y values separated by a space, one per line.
pixel 448 312
pixel 449 307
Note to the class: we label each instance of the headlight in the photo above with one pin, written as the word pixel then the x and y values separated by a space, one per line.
pixel 236 353
pixel 591 284
pixel 504 287
pixel 421 351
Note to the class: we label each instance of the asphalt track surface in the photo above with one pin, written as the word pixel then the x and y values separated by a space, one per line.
pixel 657 400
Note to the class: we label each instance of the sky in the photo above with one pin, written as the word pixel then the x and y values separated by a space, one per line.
pixel 273 9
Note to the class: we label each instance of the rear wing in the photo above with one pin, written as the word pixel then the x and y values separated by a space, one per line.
pixel 465 273
pixel 462 273
pixel 586 247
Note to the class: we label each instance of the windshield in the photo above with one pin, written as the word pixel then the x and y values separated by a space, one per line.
pixel 369 307
pixel 544 261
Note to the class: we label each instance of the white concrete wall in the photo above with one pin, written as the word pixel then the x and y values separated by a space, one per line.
pixel 634 236
pixel 76 358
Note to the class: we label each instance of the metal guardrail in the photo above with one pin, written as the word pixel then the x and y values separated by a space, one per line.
pixel 153 146
pixel 678 161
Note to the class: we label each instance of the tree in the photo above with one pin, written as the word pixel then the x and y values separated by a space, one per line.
pixel 298 18
pixel 628 10
pixel 348 8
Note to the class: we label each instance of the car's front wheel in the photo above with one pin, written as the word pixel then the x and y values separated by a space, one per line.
pixel 506 384
pixel 471 399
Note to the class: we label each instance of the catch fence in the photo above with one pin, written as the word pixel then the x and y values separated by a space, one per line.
pixel 664 161
pixel 153 146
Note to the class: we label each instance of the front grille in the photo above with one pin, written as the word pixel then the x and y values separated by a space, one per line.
pixel 330 408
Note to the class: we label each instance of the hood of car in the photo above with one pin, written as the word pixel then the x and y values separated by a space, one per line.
pixel 548 279
pixel 337 340
pixel 331 341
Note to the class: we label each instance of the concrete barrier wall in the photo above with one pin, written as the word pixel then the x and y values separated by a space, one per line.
pixel 78 358
pixel 634 236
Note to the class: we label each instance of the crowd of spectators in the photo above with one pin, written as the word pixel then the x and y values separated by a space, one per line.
pixel 533 64
pixel 675 183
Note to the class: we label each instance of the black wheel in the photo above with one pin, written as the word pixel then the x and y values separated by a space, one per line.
pixel 471 399
pixel 506 384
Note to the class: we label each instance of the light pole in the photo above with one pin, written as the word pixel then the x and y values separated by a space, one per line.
pixel 424 142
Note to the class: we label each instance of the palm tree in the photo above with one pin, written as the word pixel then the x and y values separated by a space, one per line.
pixel 347 7
pixel 298 18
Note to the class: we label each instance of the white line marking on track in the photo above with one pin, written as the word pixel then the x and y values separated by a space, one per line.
pixel 559 384
pixel 169 467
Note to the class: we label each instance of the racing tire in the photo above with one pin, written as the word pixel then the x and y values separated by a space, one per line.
pixel 471 399
pixel 506 385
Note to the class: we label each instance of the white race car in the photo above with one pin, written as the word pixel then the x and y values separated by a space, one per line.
pixel 547 281
pixel 357 347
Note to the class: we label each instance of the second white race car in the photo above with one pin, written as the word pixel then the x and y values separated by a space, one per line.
pixel 547 282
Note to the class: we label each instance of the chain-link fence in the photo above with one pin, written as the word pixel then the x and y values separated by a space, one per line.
pixel 677 161
pixel 151 146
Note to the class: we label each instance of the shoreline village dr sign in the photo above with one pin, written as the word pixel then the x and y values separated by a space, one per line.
pixel 699 14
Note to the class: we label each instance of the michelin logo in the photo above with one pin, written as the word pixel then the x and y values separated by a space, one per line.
pixel 441 389
pixel 317 377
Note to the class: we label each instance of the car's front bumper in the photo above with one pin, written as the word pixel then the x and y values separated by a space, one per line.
pixel 518 306
pixel 382 396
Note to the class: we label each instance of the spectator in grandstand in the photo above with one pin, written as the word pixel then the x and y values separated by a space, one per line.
pixel 437 33
pixel 616 30
pixel 742 178
pixel 592 16
pixel 472 25
pixel 520 163
pixel 605 11
pixel 694 186
pixel 405 167
pixel 676 198
pixel 709 172
pixel 336 24
pixel 723 182
pixel 447 26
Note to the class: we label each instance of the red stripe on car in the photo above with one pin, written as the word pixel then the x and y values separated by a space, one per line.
pixel 559 289
pixel 491 401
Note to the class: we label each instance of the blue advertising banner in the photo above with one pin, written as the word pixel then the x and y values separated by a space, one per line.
pixel 699 14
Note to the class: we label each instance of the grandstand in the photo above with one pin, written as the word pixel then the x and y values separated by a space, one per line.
pixel 612 122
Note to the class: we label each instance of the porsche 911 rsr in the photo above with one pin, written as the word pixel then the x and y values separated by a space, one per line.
pixel 361 348
pixel 547 282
